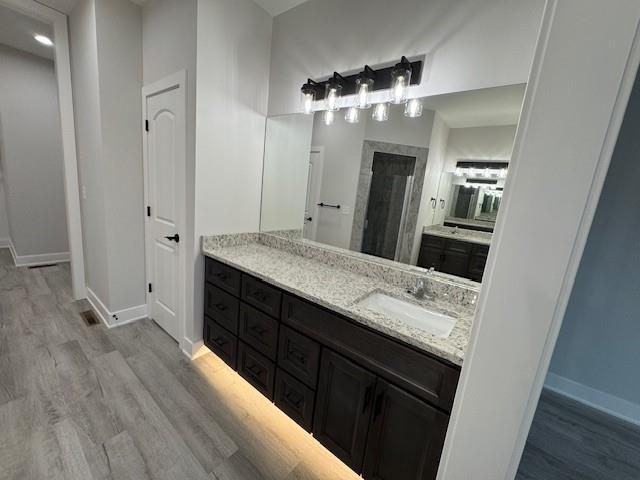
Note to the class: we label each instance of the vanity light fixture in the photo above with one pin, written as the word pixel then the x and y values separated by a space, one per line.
pixel 352 115
pixel 333 91
pixel 364 86
pixel 481 168
pixel 400 81
pixel 308 94
pixel 328 117
pixel 381 112
pixel 413 108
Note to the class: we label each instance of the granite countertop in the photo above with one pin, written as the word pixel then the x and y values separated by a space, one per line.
pixel 473 236
pixel 340 291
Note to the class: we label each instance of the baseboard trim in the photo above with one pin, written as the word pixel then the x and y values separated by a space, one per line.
pixel 117 318
pixel 5 242
pixel 193 350
pixel 39 259
pixel 604 402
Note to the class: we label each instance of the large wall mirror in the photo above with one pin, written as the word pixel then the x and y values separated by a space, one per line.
pixel 421 188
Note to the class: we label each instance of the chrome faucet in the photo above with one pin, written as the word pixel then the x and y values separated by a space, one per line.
pixel 418 289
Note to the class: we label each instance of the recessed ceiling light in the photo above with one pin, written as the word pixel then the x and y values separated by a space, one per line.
pixel 43 40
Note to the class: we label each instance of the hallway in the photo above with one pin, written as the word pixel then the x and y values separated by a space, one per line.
pixel 84 402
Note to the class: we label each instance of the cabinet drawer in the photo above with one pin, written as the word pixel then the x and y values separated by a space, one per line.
pixel 222 307
pixel 262 296
pixel 259 330
pixel 256 369
pixel 299 355
pixel 458 246
pixel 419 373
pixel 223 276
pixel 295 399
pixel 221 342
pixel 433 241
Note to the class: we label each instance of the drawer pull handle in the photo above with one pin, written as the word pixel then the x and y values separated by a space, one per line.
pixel 255 370
pixel 221 306
pixel 220 341
pixel 222 276
pixel 294 400
pixel 257 329
pixel 260 295
pixel 378 408
pixel 297 355
pixel 367 399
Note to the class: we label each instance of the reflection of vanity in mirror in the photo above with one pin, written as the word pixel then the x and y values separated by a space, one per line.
pixel 419 186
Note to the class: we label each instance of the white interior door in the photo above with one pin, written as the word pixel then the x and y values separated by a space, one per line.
pixel 165 149
pixel 314 181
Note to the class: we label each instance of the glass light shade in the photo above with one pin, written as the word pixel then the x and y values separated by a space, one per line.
pixel 352 115
pixel 381 112
pixel 307 99
pixel 503 173
pixel 333 93
pixel 328 117
pixel 400 81
pixel 364 86
pixel 413 108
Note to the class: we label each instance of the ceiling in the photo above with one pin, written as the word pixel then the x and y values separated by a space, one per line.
pixel 17 31
pixel 274 7
pixel 479 108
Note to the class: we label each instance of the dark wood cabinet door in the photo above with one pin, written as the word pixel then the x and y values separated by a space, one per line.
pixel 259 330
pixel 261 295
pixel 222 307
pixel 223 276
pixel 455 263
pixel 299 355
pixel 405 437
pixel 430 257
pixel 295 399
pixel 221 342
pixel 256 369
pixel 343 407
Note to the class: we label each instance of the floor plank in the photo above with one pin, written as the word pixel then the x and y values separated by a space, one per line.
pixel 125 461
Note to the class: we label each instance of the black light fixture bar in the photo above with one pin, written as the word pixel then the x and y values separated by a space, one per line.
pixel 482 165
pixel 482 181
pixel 382 79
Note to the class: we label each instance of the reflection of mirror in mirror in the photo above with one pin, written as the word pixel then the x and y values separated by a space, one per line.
pixel 422 188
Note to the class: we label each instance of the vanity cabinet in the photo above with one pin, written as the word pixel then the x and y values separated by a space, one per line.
pixel 379 405
pixel 455 257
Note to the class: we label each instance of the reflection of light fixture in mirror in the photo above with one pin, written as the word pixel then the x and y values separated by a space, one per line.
pixel 413 108
pixel 400 80
pixel 487 173
pixel 308 96
pixel 458 172
pixel 43 40
pixel 328 117
pixel 381 112
pixel 364 85
pixel 333 92
pixel 502 173
pixel 352 115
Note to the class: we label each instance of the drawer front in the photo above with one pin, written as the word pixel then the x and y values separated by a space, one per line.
pixel 458 246
pixel 256 369
pixel 259 330
pixel 223 276
pixel 299 355
pixel 418 373
pixel 481 250
pixel 262 296
pixel 221 342
pixel 433 241
pixel 295 399
pixel 222 307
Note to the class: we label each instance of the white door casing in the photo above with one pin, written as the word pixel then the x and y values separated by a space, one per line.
pixel 314 181
pixel 164 176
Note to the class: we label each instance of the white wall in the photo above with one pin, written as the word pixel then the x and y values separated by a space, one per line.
pixel 435 162
pixel 286 168
pixel 597 355
pixel 469 44
pixel 233 56
pixel 4 222
pixel 479 143
pixel 32 154
pixel 106 54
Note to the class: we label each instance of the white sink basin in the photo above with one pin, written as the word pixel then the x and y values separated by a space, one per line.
pixel 410 313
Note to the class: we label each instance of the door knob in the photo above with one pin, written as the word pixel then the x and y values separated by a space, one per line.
pixel 309 219
pixel 174 238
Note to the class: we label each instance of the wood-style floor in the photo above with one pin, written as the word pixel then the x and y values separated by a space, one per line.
pixel 569 441
pixel 84 402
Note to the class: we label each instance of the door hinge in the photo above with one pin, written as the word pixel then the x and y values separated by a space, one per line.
pixel 148 211
pixel 150 288
pixel 146 125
